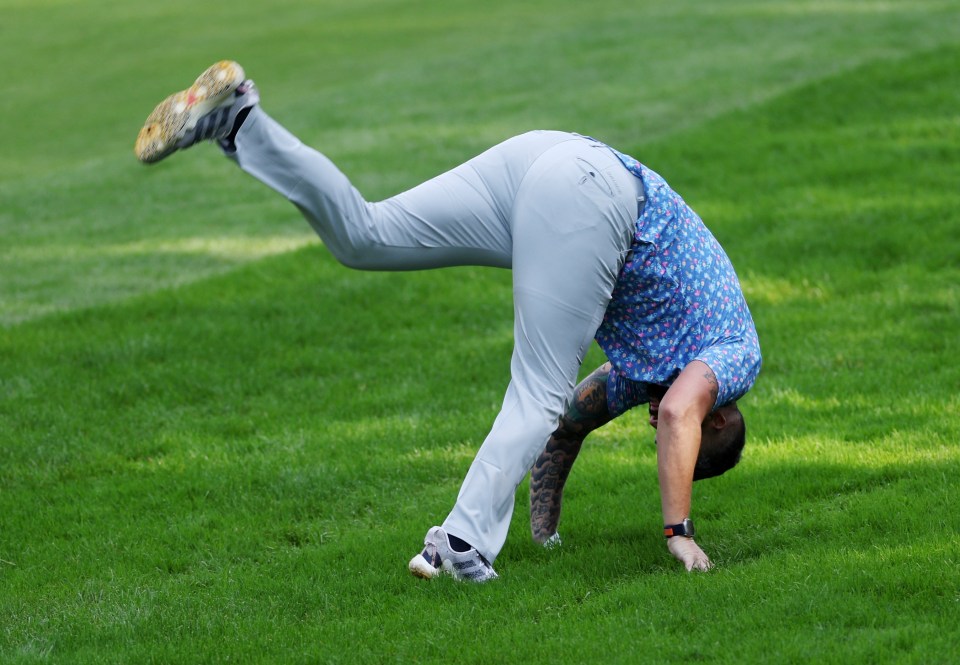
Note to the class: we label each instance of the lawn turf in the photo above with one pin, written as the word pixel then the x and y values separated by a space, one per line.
pixel 220 445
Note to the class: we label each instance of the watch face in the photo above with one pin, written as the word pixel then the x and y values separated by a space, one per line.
pixel 688 529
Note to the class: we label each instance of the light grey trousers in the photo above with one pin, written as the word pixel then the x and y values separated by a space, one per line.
pixel 557 208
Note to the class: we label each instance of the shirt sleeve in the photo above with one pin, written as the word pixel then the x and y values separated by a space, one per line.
pixel 736 365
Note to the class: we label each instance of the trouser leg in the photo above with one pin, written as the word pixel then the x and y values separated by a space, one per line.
pixel 573 221
pixel 452 219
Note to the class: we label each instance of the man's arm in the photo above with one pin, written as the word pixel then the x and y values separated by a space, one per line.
pixel 587 412
pixel 682 411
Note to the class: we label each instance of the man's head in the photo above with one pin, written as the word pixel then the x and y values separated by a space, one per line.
pixel 723 434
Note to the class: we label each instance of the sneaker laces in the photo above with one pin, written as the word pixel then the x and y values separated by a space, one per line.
pixel 214 125
pixel 220 123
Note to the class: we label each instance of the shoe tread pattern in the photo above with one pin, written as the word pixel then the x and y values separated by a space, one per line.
pixel 178 114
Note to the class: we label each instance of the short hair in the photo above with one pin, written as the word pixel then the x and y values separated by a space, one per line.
pixel 723 452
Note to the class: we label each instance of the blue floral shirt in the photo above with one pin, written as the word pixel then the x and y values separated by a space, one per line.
pixel 677 299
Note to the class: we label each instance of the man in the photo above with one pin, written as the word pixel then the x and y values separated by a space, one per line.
pixel 600 247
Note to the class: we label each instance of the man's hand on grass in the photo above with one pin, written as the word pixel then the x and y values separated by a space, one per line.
pixel 689 553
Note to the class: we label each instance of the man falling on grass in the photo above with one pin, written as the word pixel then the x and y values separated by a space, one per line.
pixel 600 248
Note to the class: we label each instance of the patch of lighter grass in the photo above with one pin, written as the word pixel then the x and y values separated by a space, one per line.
pixel 769 290
pixel 447 454
pixel 229 248
pixel 823 7
pixel 898 449
pixel 946 296
pixel 794 398
pixel 80 275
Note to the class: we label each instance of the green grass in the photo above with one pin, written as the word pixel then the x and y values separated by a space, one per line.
pixel 219 445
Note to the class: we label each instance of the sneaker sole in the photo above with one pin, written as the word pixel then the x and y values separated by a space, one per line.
pixel 179 113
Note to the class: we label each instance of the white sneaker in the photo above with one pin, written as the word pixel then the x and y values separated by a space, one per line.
pixel 207 110
pixel 439 557
pixel 553 541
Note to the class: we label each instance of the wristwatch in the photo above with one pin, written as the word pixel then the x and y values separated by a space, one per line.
pixel 685 528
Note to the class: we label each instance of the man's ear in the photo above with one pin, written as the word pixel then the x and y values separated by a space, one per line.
pixel 718 419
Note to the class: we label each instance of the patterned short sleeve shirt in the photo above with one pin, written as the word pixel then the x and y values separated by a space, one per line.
pixel 677 299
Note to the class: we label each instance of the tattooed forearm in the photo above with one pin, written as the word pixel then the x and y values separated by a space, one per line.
pixel 547 478
pixel 587 412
